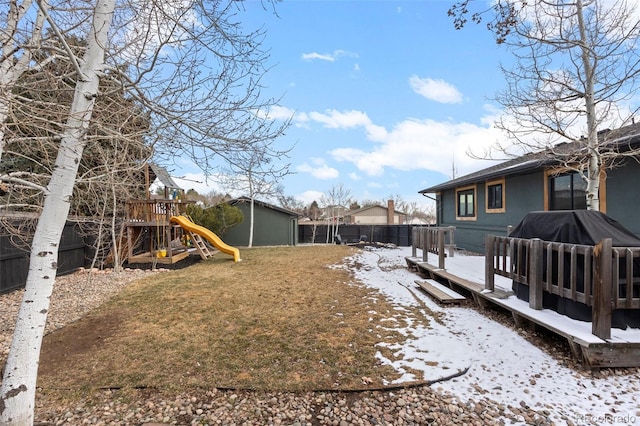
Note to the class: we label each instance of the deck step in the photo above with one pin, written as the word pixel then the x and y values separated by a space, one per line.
pixel 440 292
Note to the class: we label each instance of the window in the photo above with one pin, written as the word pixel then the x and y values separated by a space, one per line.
pixel 495 196
pixel 567 192
pixel 466 203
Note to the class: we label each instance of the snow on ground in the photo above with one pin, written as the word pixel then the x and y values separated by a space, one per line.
pixel 501 364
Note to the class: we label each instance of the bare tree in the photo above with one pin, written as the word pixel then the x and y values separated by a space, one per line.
pixel 254 173
pixel 335 201
pixel 576 70
pixel 191 70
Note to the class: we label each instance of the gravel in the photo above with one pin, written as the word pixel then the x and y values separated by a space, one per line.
pixel 78 293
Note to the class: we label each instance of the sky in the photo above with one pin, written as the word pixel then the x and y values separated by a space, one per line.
pixel 501 365
pixel 386 96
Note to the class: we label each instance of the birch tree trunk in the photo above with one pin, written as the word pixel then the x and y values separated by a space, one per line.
pixel 17 395
pixel 593 151
pixel 251 211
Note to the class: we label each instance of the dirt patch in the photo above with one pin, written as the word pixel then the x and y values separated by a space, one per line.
pixel 88 334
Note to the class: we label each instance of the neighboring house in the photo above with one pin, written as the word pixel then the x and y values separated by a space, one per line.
pixel 375 215
pixel 490 200
pixel 333 213
pixel 273 225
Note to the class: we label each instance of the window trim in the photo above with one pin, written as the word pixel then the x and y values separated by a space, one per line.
pixel 495 182
pixel 550 172
pixel 475 202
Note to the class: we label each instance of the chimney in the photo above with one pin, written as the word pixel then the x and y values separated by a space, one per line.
pixel 390 212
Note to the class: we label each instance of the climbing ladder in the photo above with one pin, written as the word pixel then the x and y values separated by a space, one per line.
pixel 202 247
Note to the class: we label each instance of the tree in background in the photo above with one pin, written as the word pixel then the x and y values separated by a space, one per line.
pixel 335 201
pixel 192 71
pixel 576 74
pixel 217 219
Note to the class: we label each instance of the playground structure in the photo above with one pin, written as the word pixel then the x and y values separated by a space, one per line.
pixel 158 230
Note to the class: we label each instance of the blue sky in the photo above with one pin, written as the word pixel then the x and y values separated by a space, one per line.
pixel 386 95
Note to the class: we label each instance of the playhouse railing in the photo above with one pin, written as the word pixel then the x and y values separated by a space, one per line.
pixel 438 240
pixel 153 211
pixel 601 276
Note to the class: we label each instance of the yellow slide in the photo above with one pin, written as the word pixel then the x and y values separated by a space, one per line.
pixel 187 224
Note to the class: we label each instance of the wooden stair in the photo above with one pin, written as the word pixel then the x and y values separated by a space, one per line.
pixel 440 292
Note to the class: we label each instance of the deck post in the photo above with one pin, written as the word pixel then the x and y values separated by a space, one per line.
pixel 414 241
pixel 452 243
pixel 601 309
pixel 441 248
pixel 534 274
pixel 426 244
pixel 489 253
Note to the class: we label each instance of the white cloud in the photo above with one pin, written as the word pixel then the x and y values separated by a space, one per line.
pixel 278 112
pixel 354 176
pixel 319 56
pixel 423 145
pixel 199 182
pixel 310 196
pixel 435 90
pixel 318 169
pixel 329 57
pixel 334 119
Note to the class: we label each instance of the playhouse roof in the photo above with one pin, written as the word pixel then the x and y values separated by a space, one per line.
pixel 163 176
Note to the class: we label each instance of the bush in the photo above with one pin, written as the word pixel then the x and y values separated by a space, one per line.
pixel 217 219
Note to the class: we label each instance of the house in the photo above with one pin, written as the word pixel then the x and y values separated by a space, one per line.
pixel 375 215
pixel 273 225
pixel 495 198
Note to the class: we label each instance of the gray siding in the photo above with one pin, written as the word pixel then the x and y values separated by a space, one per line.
pixel 623 195
pixel 271 227
pixel 523 194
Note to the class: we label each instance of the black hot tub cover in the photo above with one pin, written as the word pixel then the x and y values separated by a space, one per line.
pixel 576 227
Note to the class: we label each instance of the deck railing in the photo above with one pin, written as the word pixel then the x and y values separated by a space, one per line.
pixel 438 240
pixel 601 276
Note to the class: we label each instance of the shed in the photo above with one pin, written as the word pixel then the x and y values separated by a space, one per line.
pixel 273 225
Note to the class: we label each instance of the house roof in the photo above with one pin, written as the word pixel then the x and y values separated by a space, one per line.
pixel 622 139
pixel 363 209
pixel 242 200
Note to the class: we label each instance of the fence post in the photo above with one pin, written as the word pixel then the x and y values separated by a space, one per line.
pixel 601 309
pixel 441 248
pixel 426 244
pixel 489 253
pixel 414 241
pixel 534 274
pixel 452 240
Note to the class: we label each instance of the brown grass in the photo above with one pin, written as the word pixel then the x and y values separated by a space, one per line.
pixel 281 319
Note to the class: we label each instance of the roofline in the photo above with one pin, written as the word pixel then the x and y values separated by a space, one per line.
pixel 522 164
pixel 263 204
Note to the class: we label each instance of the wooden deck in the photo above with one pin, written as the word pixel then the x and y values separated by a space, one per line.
pixel 622 350
pixel 150 258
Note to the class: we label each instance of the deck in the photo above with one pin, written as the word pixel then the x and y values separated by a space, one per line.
pixel 466 275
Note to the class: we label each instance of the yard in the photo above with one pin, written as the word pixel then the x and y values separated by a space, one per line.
pixel 288 334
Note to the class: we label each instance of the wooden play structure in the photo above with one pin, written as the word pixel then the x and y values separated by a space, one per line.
pixel 150 236
pixel 158 230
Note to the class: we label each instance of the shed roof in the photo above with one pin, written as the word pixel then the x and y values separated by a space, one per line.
pixel 241 200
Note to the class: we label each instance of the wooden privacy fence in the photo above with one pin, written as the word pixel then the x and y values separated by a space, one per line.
pixel 433 239
pixel 602 277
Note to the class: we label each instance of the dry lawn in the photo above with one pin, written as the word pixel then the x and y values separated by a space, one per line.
pixel 282 319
